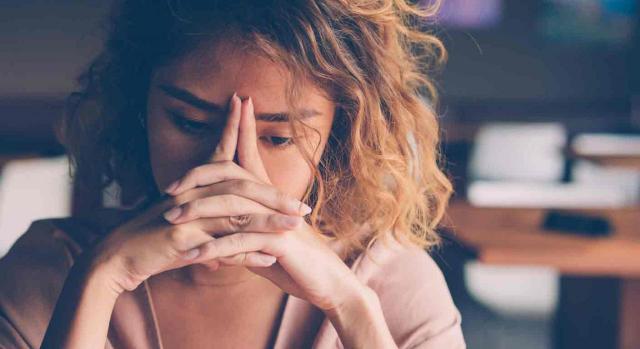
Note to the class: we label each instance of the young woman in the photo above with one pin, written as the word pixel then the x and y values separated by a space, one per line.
pixel 277 164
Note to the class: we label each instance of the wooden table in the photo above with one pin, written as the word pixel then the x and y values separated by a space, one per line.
pixel 628 161
pixel 607 268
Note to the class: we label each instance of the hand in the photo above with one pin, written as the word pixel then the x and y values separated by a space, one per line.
pixel 306 266
pixel 236 199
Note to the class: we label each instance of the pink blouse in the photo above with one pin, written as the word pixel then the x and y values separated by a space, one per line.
pixel 415 299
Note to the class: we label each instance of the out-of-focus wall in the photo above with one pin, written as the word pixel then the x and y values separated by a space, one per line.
pixel 45 44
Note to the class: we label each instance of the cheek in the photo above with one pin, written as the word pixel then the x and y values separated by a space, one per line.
pixel 288 170
pixel 289 173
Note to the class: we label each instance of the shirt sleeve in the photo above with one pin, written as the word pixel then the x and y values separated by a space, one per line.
pixel 33 273
pixel 416 301
pixel 9 335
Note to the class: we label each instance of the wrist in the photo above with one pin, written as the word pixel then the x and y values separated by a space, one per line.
pixel 101 272
pixel 104 276
pixel 359 320
pixel 99 283
pixel 358 299
pixel 81 315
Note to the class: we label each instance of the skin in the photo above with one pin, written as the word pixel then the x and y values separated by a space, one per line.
pixel 230 170
pixel 213 74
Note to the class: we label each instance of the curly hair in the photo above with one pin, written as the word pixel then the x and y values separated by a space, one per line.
pixel 373 58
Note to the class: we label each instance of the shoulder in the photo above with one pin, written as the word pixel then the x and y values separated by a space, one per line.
pixel 413 294
pixel 48 243
pixel 43 245
pixel 33 272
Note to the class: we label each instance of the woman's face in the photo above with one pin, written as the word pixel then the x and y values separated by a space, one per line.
pixel 187 109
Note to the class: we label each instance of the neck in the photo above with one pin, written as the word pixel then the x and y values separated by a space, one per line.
pixel 203 275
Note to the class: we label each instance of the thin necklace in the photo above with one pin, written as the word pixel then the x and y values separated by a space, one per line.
pixel 176 276
pixel 156 324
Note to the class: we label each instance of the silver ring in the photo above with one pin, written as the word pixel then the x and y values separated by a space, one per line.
pixel 240 221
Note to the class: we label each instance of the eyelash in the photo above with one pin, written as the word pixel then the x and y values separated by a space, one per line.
pixel 187 125
pixel 288 141
pixel 199 128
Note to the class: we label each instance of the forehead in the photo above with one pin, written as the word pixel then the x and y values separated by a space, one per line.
pixel 215 71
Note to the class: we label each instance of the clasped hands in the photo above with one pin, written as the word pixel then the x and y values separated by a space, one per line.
pixel 230 213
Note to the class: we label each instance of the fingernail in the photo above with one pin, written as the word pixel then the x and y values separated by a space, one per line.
pixel 173 213
pixel 306 209
pixel 297 207
pixel 291 221
pixel 173 186
pixel 266 260
pixel 235 98
pixel 250 104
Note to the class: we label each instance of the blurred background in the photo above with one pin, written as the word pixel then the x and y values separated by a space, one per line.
pixel 540 118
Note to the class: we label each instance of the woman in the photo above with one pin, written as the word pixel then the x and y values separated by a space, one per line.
pixel 278 171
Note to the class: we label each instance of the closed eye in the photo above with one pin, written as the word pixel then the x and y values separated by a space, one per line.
pixel 188 125
pixel 277 142
pixel 193 127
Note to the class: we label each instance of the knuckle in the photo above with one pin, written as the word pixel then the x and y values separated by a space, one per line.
pixel 278 222
pixel 228 201
pixel 243 186
pixel 236 186
pixel 282 197
pixel 272 221
pixel 192 208
pixel 178 237
pixel 287 236
pixel 240 258
pixel 237 241
pixel 209 249
pixel 236 259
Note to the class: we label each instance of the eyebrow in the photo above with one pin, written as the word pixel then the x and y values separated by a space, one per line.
pixel 208 106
